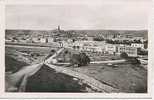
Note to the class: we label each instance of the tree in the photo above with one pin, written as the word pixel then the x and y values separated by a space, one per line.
pixel 84 59
pixel 80 59
pixel 98 38
pixel 64 54
pixel 75 59
pixel 124 55
pixel 52 51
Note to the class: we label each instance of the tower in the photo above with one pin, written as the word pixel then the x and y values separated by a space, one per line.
pixel 58 28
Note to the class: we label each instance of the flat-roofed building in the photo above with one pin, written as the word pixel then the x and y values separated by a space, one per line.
pixel 137 45
pixel 35 39
pixel 90 46
pixel 50 39
pixel 43 40
pixel 131 51
pixel 110 48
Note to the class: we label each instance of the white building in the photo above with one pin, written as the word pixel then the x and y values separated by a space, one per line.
pixel 131 51
pixel 66 44
pixel 43 40
pixel 92 49
pixel 50 40
pixel 110 48
pixel 69 40
pixel 35 39
pixel 89 38
pixel 91 46
pixel 138 45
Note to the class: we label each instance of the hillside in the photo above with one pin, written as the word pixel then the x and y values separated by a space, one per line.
pixel 12 64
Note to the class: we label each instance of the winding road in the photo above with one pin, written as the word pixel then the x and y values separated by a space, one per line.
pixel 28 71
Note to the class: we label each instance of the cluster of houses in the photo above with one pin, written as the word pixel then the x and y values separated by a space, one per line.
pixel 103 47
pixel 88 44
pixel 31 40
pixel 93 46
pixel 42 40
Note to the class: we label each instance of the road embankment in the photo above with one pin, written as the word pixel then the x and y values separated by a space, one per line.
pixel 95 84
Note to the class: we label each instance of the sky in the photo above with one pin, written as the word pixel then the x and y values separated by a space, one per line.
pixel 119 15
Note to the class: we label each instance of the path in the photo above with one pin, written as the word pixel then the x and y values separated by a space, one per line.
pixel 95 84
pixel 108 61
pixel 27 71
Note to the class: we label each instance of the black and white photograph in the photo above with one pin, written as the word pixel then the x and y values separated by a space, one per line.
pixel 77 48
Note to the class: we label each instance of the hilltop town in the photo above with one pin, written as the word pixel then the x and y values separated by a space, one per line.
pixel 113 57
pixel 134 43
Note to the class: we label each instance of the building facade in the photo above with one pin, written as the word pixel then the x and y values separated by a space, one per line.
pixel 131 51
pixel 137 45
pixel 110 48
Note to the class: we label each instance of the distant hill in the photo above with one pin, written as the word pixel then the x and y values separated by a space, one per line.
pixel 141 33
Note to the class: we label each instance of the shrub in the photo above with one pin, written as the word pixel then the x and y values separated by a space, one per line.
pixel 80 59
pixel 124 55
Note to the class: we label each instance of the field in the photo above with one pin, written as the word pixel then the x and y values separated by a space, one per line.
pixel 124 76
pixel 48 80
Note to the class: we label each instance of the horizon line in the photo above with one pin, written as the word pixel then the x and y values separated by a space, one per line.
pixel 77 29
